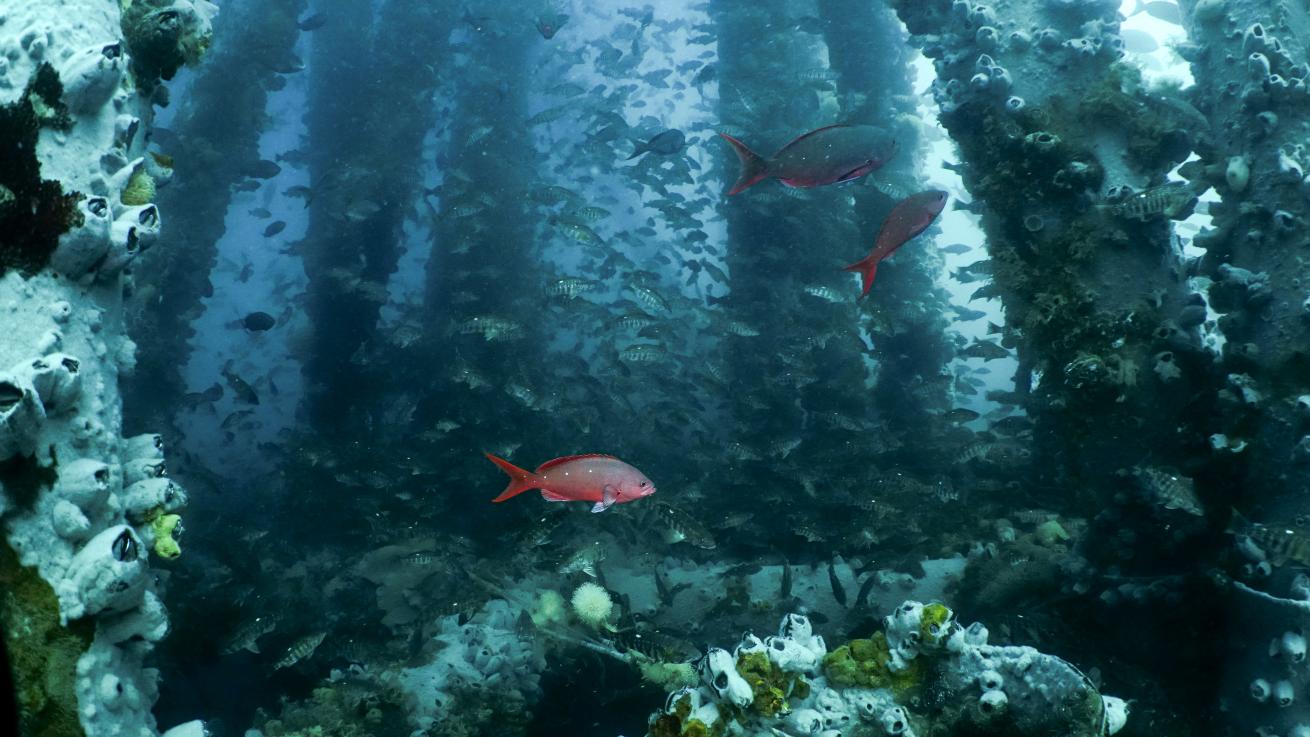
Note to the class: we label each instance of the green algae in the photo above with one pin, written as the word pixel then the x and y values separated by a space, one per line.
pixel 767 681
pixel 43 653
pixel 866 663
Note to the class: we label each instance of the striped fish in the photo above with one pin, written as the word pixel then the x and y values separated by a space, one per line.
pixel 1169 200
pixel 300 650
pixel 1169 489
pixel 1280 544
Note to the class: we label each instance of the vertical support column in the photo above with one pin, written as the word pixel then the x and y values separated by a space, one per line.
pixel 83 508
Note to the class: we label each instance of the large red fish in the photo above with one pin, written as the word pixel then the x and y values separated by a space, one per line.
pixel 835 153
pixel 602 479
pixel 910 217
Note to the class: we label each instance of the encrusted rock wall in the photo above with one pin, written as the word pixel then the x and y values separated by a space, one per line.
pixel 1249 60
pixel 1250 63
pixel 1056 138
pixel 83 508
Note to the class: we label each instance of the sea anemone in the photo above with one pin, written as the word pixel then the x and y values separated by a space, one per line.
pixel 592 604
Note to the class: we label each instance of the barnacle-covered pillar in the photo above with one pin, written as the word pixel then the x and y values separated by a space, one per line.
pixel 1249 60
pixel 786 250
pixel 216 143
pixel 868 50
pixel 484 282
pixel 81 505
pixel 1057 137
pixel 1066 156
pixel 366 170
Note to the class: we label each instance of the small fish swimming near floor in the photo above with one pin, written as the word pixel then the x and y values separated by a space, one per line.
pixel 300 650
pixel 275 227
pixel 910 217
pixel 592 477
pixel 828 155
pixel 665 144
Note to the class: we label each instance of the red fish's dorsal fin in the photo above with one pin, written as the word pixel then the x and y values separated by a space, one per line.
pixel 566 459
pixel 814 132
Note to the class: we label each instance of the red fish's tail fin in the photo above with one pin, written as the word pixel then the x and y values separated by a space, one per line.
pixel 753 166
pixel 867 268
pixel 520 480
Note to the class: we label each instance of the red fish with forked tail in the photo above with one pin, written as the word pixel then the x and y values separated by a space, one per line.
pixel 828 155
pixel 602 479
pixel 910 217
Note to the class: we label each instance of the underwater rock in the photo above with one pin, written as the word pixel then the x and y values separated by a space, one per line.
pixel 485 656
pixel 880 685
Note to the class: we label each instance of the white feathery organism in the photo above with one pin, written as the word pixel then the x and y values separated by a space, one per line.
pixel 592 604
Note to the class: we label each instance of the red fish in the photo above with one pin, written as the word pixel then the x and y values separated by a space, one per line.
pixel 602 479
pixel 835 153
pixel 910 217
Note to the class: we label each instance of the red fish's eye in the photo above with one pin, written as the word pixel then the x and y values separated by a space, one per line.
pixel 643 483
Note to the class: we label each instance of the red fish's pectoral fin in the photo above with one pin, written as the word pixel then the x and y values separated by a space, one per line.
pixel 520 480
pixel 608 496
pixel 856 173
pixel 753 166
pixel 867 269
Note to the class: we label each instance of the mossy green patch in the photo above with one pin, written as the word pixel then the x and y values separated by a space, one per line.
pixel 43 654
pixel 933 623
pixel 767 681
pixel 679 723
pixel 866 663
